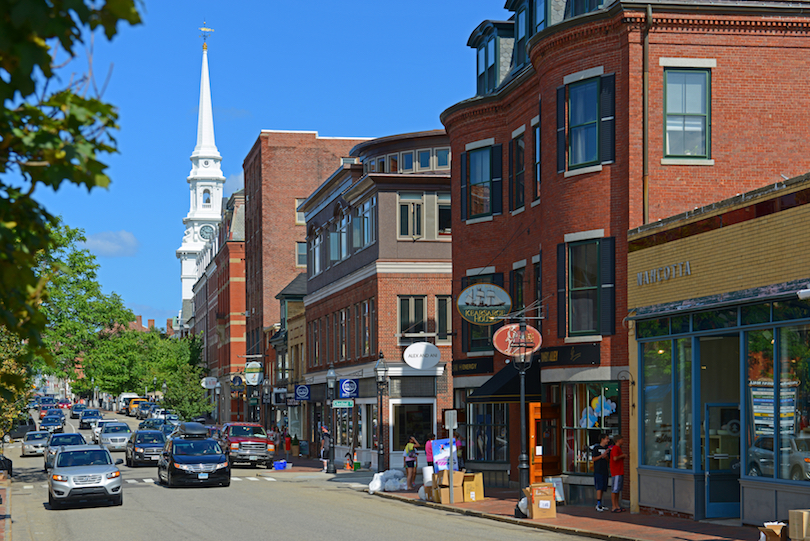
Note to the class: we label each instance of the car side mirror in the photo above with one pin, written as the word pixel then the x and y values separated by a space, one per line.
pixel 119 461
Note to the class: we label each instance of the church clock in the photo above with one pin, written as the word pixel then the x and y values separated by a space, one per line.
pixel 206 232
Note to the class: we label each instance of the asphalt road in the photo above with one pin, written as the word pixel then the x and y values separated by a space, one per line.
pixel 256 506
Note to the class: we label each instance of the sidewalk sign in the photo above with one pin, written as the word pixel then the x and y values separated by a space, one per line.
pixel 559 492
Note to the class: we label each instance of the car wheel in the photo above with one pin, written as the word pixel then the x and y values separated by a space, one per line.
pixel 168 479
pixel 753 471
pixel 797 474
pixel 128 460
pixel 119 499
pixel 227 483
pixel 52 501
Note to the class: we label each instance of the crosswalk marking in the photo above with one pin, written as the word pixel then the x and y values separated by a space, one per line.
pixel 252 478
pixel 269 479
pixel 236 478
pixel 132 480
pixel 29 487
pixel 148 480
pixel 44 486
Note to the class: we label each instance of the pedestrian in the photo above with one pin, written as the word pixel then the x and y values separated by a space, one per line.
pixel 326 445
pixel 600 455
pixel 409 457
pixel 429 449
pixel 617 457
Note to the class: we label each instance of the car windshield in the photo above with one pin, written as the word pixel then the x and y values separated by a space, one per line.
pixel 68 439
pixel 248 432
pixel 52 412
pixel 115 428
pixel 167 428
pixel 78 407
pixel 93 457
pixel 90 413
pixel 802 444
pixel 171 417
pixel 51 419
pixel 36 436
pixel 195 448
pixel 153 437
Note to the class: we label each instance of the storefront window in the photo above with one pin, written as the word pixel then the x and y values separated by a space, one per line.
pixel 761 410
pixel 488 433
pixel 657 403
pixel 683 360
pixel 590 410
pixel 794 403
pixel 371 442
pixel 411 420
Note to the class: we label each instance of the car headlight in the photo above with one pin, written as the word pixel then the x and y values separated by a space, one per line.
pixel 113 474
pixel 234 447
pixel 59 478
pixel 222 465
pixel 51 451
pixel 182 467
pixel 271 447
pixel 138 450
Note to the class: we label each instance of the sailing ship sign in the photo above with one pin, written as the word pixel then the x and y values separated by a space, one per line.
pixel 484 304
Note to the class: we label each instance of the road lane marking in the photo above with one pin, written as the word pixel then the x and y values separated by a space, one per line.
pixel 44 486
pixel 29 487
pixel 269 479
pixel 236 478
pixel 148 480
pixel 252 478
pixel 132 480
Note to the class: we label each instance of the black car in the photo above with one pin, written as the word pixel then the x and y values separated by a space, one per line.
pixel 144 447
pixel 51 423
pixel 151 424
pixel 21 426
pixel 87 416
pixel 143 410
pixel 77 410
pixel 190 457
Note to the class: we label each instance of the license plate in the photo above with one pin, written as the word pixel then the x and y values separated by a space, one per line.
pixel 154 457
pixel 202 476
pixel 254 457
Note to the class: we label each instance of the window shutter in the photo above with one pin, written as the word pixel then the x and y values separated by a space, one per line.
pixel 463 174
pixel 497 179
pixel 607 129
pixel 511 174
pixel 607 255
pixel 561 129
pixel 561 327
pixel 465 326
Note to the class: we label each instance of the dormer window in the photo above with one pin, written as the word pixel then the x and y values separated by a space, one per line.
pixel 520 32
pixel 486 66
pixel 580 7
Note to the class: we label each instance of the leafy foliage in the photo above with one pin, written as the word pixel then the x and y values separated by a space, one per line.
pixel 14 379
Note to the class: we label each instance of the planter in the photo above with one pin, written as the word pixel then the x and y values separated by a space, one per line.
pixel 295 449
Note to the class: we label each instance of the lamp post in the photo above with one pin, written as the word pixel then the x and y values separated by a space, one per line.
pixel 380 373
pixel 522 361
pixel 164 390
pixel 267 389
pixel 218 391
pixel 154 388
pixel 331 379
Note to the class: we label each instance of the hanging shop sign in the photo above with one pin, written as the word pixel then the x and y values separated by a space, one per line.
pixel 349 388
pixel 510 341
pixel 484 304
pixel 208 383
pixel 421 355
pixel 237 384
pixel 302 392
pixel 280 396
pixel 253 373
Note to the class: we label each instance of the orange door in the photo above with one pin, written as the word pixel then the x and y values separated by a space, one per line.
pixel 544 441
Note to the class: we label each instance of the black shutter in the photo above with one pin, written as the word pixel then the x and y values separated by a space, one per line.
pixel 561 327
pixel 465 326
pixel 511 174
pixel 561 129
pixel 463 174
pixel 497 179
pixel 607 128
pixel 607 255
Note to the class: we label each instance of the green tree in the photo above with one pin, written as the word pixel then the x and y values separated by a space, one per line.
pixel 49 133
pixel 15 379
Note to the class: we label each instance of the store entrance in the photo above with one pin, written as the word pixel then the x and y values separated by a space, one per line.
pixel 720 423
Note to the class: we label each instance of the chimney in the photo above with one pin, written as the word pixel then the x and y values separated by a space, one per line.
pixel 151 324
pixel 140 323
pixel 170 326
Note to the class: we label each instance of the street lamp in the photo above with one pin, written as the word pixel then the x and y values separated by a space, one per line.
pixel 522 361
pixel 267 389
pixel 380 373
pixel 164 390
pixel 218 391
pixel 331 379
pixel 154 388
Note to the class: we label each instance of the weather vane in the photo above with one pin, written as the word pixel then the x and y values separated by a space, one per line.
pixel 205 31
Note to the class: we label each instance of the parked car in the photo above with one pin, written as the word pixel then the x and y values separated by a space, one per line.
pixel 76 410
pixel 97 425
pixel 143 409
pixel 21 426
pixel 87 416
pixel 190 457
pixel 52 423
pixel 114 436
pixel 761 458
pixel 34 443
pixel 144 447
pixel 246 443
pixel 55 441
pixel 151 424
pixel 83 473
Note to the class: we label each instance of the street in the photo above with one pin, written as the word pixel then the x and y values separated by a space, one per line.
pixel 256 505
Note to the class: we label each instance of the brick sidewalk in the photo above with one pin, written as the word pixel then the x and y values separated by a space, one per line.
pixel 5 509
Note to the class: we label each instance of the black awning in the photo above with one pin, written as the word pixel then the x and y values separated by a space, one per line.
pixel 505 386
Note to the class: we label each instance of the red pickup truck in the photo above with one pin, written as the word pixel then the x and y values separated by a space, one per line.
pixel 247 443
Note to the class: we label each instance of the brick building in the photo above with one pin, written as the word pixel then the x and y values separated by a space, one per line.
pixel 281 170
pixel 378 234
pixel 588 121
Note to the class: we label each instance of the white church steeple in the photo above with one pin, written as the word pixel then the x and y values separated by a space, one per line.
pixel 205 190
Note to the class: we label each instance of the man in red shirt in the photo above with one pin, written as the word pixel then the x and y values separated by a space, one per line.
pixel 617 457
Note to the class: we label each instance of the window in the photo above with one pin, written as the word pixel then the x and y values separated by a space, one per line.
pixel 299 216
pixel 365 329
pixel 444 318
pixel 488 433
pixel 590 121
pixel 585 281
pixel 537 159
pixel 411 318
pixel 517 190
pixel 583 123
pixel 363 225
pixel 687 113
pixel 334 242
pixel 411 420
pixel 315 253
pixel 520 42
pixel 407 161
pixel 589 410
pixel 393 163
pixel 423 159
pixel 580 7
pixel 316 328
pixel 517 288
pixel 343 334
pixel 481 180
pixel 381 165
pixel 443 216
pixel 410 215
pixel 372 166
pixel 583 288
pixel 538 291
pixel 300 254
pixel 358 351
pixel 480 183
pixel 539 15
pixel 442 158
pixel 486 65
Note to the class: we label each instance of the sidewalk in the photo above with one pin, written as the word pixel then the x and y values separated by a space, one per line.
pixel 5 509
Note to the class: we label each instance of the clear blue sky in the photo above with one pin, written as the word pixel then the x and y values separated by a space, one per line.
pixel 347 68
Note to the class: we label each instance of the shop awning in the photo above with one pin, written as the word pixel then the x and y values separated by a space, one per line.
pixel 505 386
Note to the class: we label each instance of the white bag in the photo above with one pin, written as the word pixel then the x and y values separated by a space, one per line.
pixel 376 484
pixel 422 495
pixel 523 505
pixel 427 476
pixel 392 485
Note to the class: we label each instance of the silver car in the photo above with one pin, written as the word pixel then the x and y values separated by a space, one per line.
pixel 114 436
pixel 34 443
pixel 85 472
pixel 57 441
pixel 97 425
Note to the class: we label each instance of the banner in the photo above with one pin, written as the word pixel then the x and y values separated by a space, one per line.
pixel 441 455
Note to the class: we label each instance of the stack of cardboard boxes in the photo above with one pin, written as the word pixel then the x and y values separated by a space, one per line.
pixel 799 524
pixel 467 487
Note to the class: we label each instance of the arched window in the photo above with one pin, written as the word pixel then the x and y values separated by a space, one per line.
pixel 206 199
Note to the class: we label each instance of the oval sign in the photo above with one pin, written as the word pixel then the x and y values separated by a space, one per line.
pixel 253 373
pixel 484 304
pixel 208 383
pixel 421 355
pixel 508 341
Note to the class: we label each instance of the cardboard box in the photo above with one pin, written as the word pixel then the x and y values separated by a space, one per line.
pixel 444 478
pixel 473 487
pixel 799 523
pixel 775 532
pixel 444 495
pixel 428 493
pixel 542 502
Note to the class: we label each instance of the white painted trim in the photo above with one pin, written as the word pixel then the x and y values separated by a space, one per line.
pixel 583 171
pixel 582 373
pixel 536 259
pixel 687 62
pixel 479 220
pixel 519 264
pixel 583 339
pixel 469 382
pixel 480 144
pixel 584 235
pixel 480 353
pixel 518 211
pixel 394 369
pixel 519 131
pixel 686 161
pixel 535 121
pixel 480 270
pixel 584 74
pixel 535 202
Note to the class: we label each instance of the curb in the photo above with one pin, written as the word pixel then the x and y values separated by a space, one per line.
pixel 6 486
pixel 509 520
